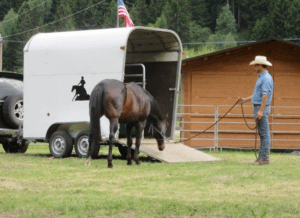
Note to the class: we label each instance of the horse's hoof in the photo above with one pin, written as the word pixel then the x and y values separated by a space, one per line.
pixel 129 163
pixel 138 163
pixel 110 166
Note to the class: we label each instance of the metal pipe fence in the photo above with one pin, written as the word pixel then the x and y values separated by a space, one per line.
pixel 284 127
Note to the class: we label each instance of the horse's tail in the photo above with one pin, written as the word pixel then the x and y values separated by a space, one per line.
pixel 95 114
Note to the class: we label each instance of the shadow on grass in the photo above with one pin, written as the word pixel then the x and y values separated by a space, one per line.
pixel 100 157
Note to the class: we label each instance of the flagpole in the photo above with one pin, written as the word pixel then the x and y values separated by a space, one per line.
pixel 117 13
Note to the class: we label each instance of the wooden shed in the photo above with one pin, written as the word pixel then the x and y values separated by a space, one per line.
pixel 212 83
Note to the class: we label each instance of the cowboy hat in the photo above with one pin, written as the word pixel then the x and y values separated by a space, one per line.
pixel 260 60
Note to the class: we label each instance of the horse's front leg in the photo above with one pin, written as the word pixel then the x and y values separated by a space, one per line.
pixel 140 127
pixel 113 130
pixel 129 143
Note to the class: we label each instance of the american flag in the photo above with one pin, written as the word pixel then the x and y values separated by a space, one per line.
pixel 122 12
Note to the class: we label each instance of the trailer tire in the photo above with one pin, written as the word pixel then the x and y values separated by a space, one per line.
pixel 61 144
pixel 13 110
pixel 13 147
pixel 82 145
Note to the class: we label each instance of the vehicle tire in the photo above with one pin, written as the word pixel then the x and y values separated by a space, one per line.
pixel 61 144
pixel 13 147
pixel 24 147
pixel 13 110
pixel 123 150
pixel 82 145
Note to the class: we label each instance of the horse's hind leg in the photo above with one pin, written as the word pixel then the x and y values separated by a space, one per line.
pixel 129 142
pixel 140 128
pixel 113 129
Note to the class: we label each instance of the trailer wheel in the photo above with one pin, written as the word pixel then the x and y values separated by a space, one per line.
pixel 82 145
pixel 61 144
pixel 123 150
pixel 13 110
pixel 13 147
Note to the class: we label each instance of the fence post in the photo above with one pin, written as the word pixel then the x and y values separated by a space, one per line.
pixel 216 129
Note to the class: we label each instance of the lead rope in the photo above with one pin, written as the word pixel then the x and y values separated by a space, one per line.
pixel 256 132
pixel 212 124
pixel 254 128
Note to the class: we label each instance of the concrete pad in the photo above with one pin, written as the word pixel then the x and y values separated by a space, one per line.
pixel 174 153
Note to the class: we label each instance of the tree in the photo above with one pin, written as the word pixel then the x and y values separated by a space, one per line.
pixel 6 5
pixel 64 10
pixel 154 10
pixel 138 13
pixel 7 28
pixel 226 22
pixel 161 22
pixel 214 8
pixel 110 15
pixel 198 34
pixel 200 13
pixel 178 14
pixel 226 30
pixel 282 20
pixel 261 29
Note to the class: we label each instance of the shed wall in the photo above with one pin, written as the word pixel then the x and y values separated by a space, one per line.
pixel 220 79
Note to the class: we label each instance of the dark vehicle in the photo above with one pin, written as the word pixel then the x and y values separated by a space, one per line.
pixel 11 112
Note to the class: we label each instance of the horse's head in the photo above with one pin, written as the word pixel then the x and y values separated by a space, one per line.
pixel 160 133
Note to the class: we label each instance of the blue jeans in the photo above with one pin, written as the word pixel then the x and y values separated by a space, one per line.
pixel 264 133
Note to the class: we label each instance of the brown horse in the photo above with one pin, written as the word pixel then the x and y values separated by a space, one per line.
pixel 125 103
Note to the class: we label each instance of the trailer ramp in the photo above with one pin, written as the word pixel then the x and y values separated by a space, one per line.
pixel 174 153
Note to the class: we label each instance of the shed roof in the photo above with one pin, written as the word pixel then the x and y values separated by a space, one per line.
pixel 263 41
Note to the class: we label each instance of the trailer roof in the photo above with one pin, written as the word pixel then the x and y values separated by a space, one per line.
pixel 137 40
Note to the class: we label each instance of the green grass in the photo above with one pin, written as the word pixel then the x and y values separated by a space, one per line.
pixel 36 185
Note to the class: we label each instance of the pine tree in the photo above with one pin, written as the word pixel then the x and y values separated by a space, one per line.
pixel 110 15
pixel 214 8
pixel 226 22
pixel 261 29
pixel 154 10
pixel 161 22
pixel 64 10
pixel 199 12
pixel 226 30
pixel 284 16
pixel 282 20
pixel 6 5
pixel 9 47
pixel 178 13
pixel 138 13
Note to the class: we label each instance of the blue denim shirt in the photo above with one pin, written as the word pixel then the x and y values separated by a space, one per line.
pixel 264 85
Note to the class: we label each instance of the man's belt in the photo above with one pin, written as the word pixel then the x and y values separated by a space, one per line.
pixel 256 105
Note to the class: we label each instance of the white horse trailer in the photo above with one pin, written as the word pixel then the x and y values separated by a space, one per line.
pixel 62 68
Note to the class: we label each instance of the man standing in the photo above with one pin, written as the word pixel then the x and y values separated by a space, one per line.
pixel 261 99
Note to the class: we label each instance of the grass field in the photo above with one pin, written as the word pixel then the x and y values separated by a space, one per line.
pixel 36 185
